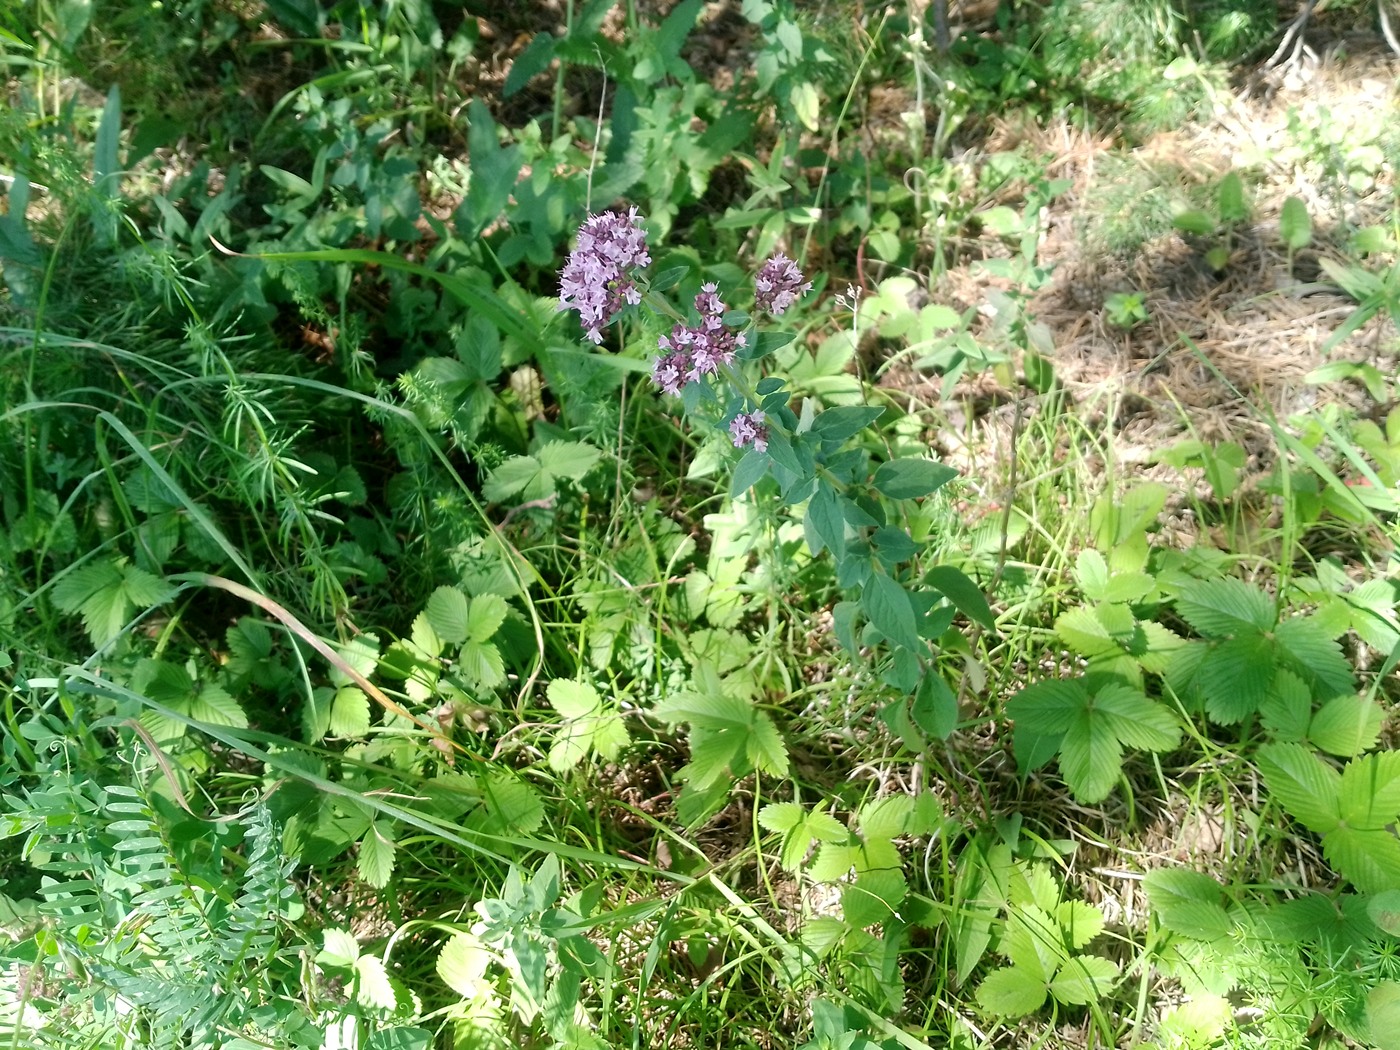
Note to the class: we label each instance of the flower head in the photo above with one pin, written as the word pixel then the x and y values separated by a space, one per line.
pixel 694 351
pixel 778 284
pixel 750 428
pixel 597 279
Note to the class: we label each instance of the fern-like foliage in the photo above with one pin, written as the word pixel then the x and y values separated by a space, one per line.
pixel 143 940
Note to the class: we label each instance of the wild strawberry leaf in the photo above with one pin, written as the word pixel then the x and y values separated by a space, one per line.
pixel 1303 784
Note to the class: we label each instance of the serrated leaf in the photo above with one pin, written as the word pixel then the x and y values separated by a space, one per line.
pixel 1136 720
pixel 212 703
pixel 765 747
pixel 1083 632
pixel 376 860
pixel 144 589
pixel 887 606
pixel 912 478
pixel 873 897
pixel 1287 709
pixel 574 699
pixel 462 964
pixel 1091 758
pixel 1369 858
pixel 1084 979
pixel 349 713
pixel 1225 607
pixel 1346 725
pixel 1234 676
pixel 446 613
pixel 1306 645
pixel 373 990
pixel 1048 708
pixel 423 638
pixel 518 475
pixel 481 664
pixel 1369 796
pixel 96 592
pixel 1188 902
pixel 1012 992
pixel 885 818
pixel 833 862
pixel 825 827
pixel 1081 922
pixel 1091 573
pixel 1303 784
pixel 339 948
pixel 823 525
pixel 485 614
pixel 781 816
pixel 568 459
pixel 510 806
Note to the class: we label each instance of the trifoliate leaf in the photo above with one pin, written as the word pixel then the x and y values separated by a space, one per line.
pixel 1222 608
pixel 96 591
pixel 349 713
pixel 463 963
pixel 1084 979
pixel 372 987
pixel 1346 725
pixel 249 645
pixel 447 615
pixel 568 459
pixel 1303 784
pixel 376 860
pixel 1234 676
pixel 1012 992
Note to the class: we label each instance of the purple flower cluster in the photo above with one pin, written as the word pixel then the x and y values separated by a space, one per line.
pixel 750 428
pixel 596 280
pixel 777 285
pixel 693 351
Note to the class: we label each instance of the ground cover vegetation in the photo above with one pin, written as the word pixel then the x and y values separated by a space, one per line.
pixel 740 524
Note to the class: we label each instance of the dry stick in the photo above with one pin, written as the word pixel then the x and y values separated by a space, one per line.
pixel 1293 37
pixel 337 661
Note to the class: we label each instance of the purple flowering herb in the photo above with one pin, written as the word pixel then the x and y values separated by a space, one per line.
pixel 597 279
pixel 777 285
pixel 750 428
pixel 694 351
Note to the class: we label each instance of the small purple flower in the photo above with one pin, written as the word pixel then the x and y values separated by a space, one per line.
pixel 694 351
pixel 596 280
pixel 750 428
pixel 777 285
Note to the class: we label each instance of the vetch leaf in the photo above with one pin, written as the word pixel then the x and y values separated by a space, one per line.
pixel 886 604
